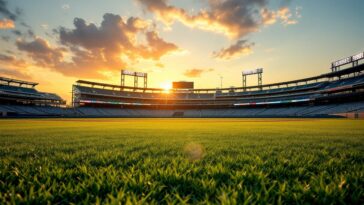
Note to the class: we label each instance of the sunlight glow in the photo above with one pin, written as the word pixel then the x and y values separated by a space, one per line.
pixel 167 86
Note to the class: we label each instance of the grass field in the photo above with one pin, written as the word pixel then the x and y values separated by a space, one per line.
pixel 160 161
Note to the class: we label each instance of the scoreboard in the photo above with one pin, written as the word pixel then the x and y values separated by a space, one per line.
pixel 183 85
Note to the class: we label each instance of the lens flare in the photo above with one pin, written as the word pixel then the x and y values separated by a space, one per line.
pixel 166 87
pixel 194 151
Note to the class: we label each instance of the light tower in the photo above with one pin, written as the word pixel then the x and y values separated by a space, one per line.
pixel 258 72
pixel 136 76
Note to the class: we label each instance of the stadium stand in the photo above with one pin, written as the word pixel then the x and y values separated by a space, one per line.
pixel 296 111
pixel 20 98
pixel 338 93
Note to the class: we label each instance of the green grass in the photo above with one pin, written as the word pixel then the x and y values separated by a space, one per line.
pixel 170 161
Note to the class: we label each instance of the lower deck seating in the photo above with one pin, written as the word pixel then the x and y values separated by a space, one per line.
pixel 293 111
pixel 24 110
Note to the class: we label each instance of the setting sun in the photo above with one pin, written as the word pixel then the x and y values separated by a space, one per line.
pixel 167 86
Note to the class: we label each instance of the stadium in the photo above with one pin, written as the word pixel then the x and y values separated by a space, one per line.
pixel 168 102
pixel 339 93
pixel 117 144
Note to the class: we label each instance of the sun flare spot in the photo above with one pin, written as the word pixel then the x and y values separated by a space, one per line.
pixel 166 86
pixel 194 151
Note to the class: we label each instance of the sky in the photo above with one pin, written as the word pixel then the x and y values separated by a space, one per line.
pixel 59 42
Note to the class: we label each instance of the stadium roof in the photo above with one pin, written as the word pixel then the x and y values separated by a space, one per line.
pixel 20 82
pixel 339 73
pixel 347 71
pixel 115 86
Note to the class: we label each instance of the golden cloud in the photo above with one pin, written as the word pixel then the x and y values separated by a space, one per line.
pixel 285 15
pixel 10 60
pixel 233 18
pixel 241 47
pixel 13 67
pixel 41 52
pixel 14 73
pixel 91 51
pixel 195 72
pixel 6 24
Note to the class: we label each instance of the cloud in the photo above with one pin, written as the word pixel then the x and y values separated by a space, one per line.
pixel 195 72
pixel 90 51
pixel 6 24
pixel 41 52
pixel 15 68
pixel 83 63
pixel 241 47
pixel 11 60
pixel 113 34
pixel 105 47
pixel 6 12
pixel 286 16
pixel 66 7
pixel 157 46
pixel 13 73
pixel 13 18
pixel 30 33
pixel 17 32
pixel 268 17
pixel 25 25
pixel 283 14
pixel 232 18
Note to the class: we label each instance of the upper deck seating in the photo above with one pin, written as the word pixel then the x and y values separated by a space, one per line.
pixel 15 89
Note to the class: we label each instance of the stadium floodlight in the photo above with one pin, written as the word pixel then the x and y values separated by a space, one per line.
pixel 341 62
pixel 132 73
pixel 352 59
pixel 136 75
pixel 258 71
pixel 253 72
pixel 358 56
pixel 127 72
pixel 139 74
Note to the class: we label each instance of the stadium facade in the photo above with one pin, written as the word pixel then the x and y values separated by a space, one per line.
pixel 337 93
